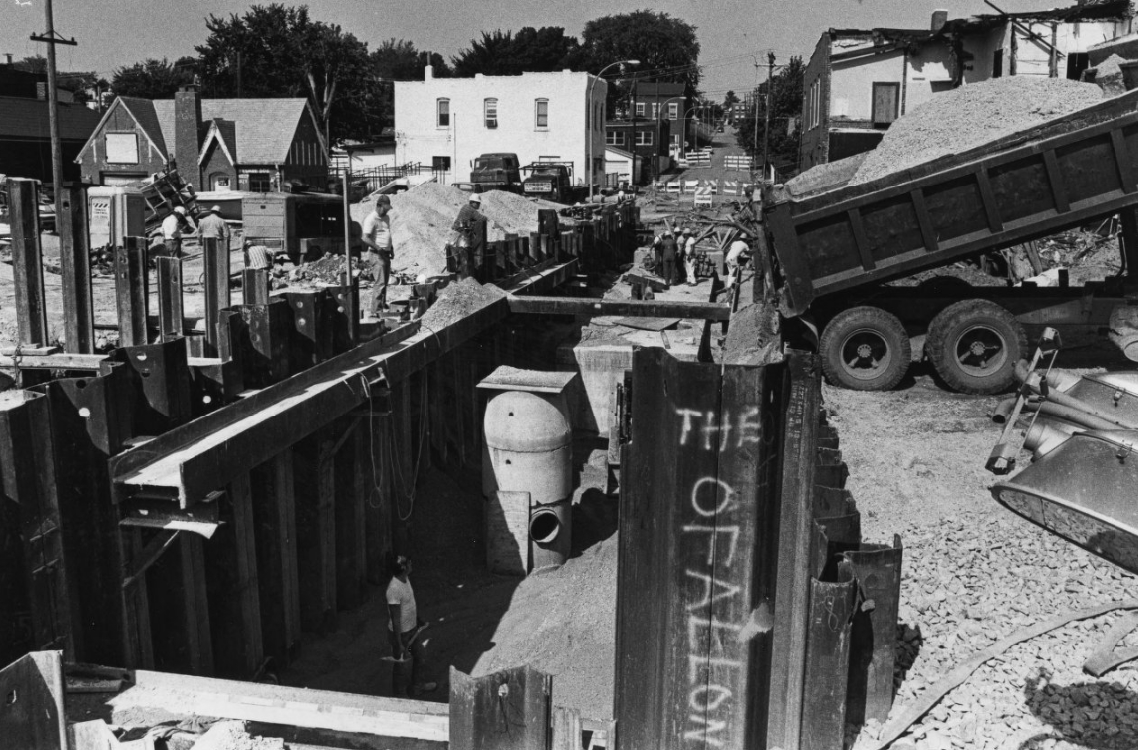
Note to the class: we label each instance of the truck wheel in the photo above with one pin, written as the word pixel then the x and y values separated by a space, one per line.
pixel 865 349
pixel 974 345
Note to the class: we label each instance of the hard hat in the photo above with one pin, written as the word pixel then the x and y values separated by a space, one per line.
pixel 382 200
pixel 215 208
pixel 180 210
pixel 474 198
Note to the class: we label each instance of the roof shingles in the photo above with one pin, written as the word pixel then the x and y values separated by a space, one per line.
pixel 262 128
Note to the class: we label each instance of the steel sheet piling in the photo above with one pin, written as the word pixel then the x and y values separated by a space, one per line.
pixel 75 265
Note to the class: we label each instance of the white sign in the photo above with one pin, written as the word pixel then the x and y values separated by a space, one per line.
pixel 122 148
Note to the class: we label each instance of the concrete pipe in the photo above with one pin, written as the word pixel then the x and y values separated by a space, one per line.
pixel 550 531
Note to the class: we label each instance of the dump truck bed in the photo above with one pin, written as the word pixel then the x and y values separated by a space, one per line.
pixel 1037 181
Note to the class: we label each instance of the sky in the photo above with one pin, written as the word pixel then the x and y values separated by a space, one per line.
pixel 734 35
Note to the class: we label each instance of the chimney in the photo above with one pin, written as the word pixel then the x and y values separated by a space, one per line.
pixel 940 18
pixel 187 125
pixel 9 56
pixel 428 72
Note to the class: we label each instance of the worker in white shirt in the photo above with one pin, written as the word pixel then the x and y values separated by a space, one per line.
pixel 403 629
pixel 377 238
pixel 213 226
pixel 737 254
pixel 689 257
pixel 173 226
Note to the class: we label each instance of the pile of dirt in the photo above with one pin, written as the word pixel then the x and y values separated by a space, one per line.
pixel 971 115
pixel 421 220
pixel 459 300
pixel 826 176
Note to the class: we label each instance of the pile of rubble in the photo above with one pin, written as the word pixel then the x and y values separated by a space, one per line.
pixel 328 270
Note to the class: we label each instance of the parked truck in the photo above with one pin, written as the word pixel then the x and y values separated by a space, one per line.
pixel 497 172
pixel 835 250
pixel 552 181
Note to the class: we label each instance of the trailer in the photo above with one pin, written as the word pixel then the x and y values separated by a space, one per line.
pixel 836 250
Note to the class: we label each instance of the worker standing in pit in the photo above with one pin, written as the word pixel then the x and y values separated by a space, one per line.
pixel 470 241
pixel 377 237
pixel 214 227
pixel 737 255
pixel 668 258
pixel 173 227
pixel 689 257
pixel 403 630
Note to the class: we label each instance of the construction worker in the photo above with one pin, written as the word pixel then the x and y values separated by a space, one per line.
pixel 377 237
pixel 214 227
pixel 470 241
pixel 173 227
pixel 737 254
pixel 257 256
pixel 403 630
pixel 689 256
pixel 668 258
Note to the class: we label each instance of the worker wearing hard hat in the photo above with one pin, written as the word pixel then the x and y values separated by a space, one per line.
pixel 214 227
pixel 377 237
pixel 469 240
pixel 173 226
pixel 737 255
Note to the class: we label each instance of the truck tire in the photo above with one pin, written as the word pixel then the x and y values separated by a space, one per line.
pixel 974 345
pixel 865 349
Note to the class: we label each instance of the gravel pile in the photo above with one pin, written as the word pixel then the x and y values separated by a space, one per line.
pixel 327 270
pixel 1108 76
pixel 457 301
pixel 978 578
pixel 971 115
pixel 826 176
pixel 421 220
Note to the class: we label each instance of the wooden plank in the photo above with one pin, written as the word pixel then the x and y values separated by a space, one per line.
pixel 91 362
pixel 640 308
pixel 792 589
pixel 136 602
pixel 378 499
pixel 315 482
pixel 185 695
pixel 75 267
pixel 33 691
pixel 274 516
pixel 864 251
pixel 209 451
pixel 27 262
pixel 350 522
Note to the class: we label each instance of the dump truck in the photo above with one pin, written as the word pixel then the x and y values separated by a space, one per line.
pixel 550 180
pixel 497 172
pixel 835 250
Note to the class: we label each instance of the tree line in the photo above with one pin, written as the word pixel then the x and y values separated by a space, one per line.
pixel 281 51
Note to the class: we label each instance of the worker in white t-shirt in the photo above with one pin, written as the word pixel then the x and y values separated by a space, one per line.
pixel 377 237
pixel 737 255
pixel 173 227
pixel 403 629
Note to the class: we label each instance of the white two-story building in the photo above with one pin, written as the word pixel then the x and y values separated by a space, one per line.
pixel 445 123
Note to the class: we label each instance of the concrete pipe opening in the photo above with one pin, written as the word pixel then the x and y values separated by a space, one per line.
pixel 544 526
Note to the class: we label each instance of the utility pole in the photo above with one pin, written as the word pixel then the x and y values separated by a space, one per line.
pixel 755 125
pixel 767 119
pixel 50 38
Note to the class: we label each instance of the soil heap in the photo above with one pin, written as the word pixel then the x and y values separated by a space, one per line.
pixel 971 115
pixel 833 174
pixel 1108 76
pixel 457 301
pixel 421 220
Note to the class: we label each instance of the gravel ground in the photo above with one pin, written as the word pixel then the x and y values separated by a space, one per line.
pixel 966 117
pixel 975 573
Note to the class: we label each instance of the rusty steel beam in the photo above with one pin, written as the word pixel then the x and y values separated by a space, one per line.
pixel 75 264
pixel 131 291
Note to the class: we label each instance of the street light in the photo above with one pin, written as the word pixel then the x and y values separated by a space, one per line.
pixel 683 141
pixel 589 130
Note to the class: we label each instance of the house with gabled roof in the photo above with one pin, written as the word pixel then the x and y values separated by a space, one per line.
pixel 217 144
pixel 25 146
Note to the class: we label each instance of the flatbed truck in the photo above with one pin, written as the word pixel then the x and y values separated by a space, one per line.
pixel 836 250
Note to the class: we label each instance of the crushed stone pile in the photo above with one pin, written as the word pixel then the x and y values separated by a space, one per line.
pixel 825 176
pixel 458 300
pixel 971 115
pixel 421 220
pixel 975 579
pixel 327 270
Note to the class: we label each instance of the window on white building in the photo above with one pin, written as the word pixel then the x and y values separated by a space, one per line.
pixel 673 110
pixel 490 112
pixel 442 107
pixel 541 114
pixel 440 163
pixel 644 138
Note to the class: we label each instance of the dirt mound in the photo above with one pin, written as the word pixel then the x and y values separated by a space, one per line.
pixel 457 301
pixel 421 220
pixel 971 115
pixel 1108 76
pixel 327 270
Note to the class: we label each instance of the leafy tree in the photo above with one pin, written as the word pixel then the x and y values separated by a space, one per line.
pixel 730 99
pixel 399 60
pixel 666 47
pixel 279 51
pixel 785 120
pixel 504 53
pixel 152 79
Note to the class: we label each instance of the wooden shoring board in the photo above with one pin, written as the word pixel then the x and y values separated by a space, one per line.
pixel 197 458
pixel 199 640
pixel 350 521
pixel 274 517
